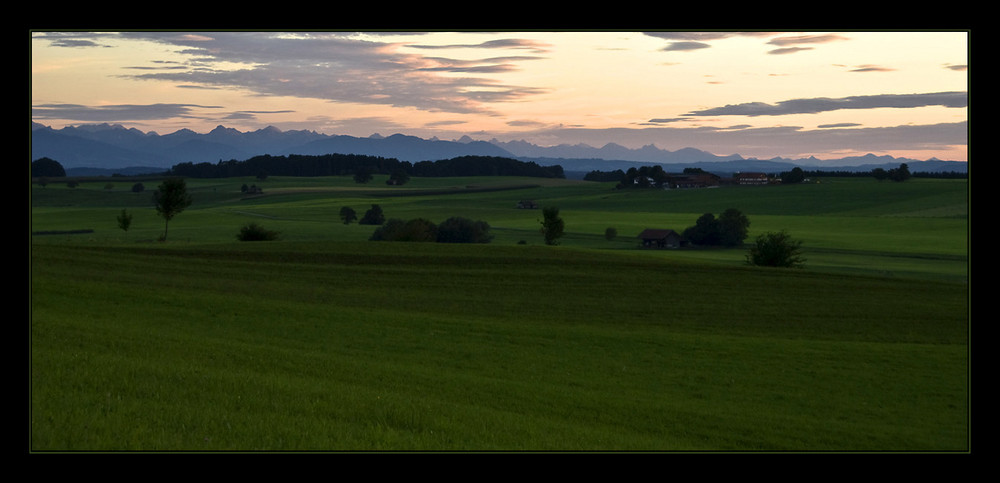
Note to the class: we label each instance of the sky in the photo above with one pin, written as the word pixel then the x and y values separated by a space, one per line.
pixel 757 94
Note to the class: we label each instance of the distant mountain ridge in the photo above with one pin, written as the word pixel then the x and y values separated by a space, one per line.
pixel 113 147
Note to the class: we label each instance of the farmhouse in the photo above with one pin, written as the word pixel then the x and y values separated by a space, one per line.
pixel 750 178
pixel 527 205
pixel 694 180
pixel 660 238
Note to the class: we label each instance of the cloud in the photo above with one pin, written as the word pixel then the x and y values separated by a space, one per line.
pixel 788 50
pixel 682 36
pixel 790 45
pixel 114 113
pixel 73 39
pixel 872 68
pixel 251 115
pixel 806 39
pixel 343 67
pixel 532 45
pixel 690 41
pixel 684 46
pixel 838 125
pixel 769 142
pixel 823 104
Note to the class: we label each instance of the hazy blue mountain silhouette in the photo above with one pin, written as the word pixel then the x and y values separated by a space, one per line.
pixel 111 146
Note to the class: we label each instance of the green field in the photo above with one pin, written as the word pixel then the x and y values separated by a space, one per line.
pixel 324 341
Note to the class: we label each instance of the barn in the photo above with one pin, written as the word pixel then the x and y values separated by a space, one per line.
pixel 654 238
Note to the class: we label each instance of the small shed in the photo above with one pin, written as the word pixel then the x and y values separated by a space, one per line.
pixel 660 238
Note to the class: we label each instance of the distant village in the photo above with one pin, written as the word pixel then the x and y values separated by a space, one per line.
pixel 709 180
pixel 655 177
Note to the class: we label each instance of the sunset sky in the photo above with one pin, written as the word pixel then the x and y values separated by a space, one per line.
pixel 758 94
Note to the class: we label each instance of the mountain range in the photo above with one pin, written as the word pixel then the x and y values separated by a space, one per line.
pixel 114 148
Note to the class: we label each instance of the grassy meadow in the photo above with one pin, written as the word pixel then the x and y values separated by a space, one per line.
pixel 324 341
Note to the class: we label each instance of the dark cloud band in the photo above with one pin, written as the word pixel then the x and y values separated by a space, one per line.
pixel 824 104
pixel 115 113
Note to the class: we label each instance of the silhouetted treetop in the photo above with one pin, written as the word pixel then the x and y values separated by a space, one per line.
pixel 349 164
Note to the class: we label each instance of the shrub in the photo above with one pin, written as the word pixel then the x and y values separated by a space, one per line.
pixel 463 230
pixel 454 230
pixel 255 232
pixel 415 230
pixel 775 250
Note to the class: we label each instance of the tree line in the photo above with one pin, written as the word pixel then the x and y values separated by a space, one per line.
pixel 352 164
pixel 655 176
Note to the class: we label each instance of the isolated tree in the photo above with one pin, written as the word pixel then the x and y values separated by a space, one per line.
pixel 733 227
pixel 610 233
pixel 398 178
pixel 902 173
pixel 124 220
pixel 171 198
pixel 552 225
pixel 362 175
pixel 47 167
pixel 347 215
pixel 138 188
pixel 796 175
pixel 373 216
pixel 776 250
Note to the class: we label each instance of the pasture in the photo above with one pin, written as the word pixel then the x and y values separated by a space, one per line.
pixel 324 341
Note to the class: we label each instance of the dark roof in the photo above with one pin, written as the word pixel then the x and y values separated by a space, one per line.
pixel 653 234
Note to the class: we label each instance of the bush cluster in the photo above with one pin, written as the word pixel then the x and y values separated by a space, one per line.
pixel 453 230
pixel 255 232
pixel 729 230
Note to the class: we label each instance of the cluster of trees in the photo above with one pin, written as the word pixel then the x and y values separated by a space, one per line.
pixel 649 176
pixel 453 230
pixel 902 173
pixel 374 216
pixel 641 177
pixel 170 199
pixel 795 176
pixel 730 229
pixel 363 167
